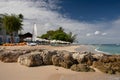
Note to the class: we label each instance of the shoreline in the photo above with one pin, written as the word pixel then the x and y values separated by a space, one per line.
pixel 88 48
pixel 93 49
pixel 103 52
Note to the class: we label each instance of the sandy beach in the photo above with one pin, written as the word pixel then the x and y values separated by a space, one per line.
pixel 15 71
pixel 49 47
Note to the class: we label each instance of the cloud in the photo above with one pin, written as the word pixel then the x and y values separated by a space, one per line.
pixel 104 34
pixel 45 13
pixel 88 34
pixel 100 33
pixel 97 32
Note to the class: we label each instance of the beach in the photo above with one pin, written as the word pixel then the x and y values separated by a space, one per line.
pixel 48 47
pixel 15 71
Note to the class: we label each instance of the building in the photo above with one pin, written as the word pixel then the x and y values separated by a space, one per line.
pixel 24 36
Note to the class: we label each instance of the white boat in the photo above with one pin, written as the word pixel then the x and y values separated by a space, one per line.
pixel 31 44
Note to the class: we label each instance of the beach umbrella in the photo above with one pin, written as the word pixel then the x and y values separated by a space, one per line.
pixel 34 37
pixel 28 39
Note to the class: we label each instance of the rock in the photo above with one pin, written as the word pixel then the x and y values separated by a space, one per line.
pixel 108 64
pixel 10 56
pixel 47 56
pixel 2 49
pixel 63 59
pixel 78 55
pixel 56 59
pixel 7 55
pixel 110 58
pixel 81 68
pixel 100 66
pixel 86 58
pixel 31 60
pixel 97 56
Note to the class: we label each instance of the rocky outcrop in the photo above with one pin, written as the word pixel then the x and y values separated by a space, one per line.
pixel 47 56
pixel 31 60
pixel 76 61
pixel 81 68
pixel 85 58
pixel 37 58
pixel 63 59
pixel 11 56
pixel 108 64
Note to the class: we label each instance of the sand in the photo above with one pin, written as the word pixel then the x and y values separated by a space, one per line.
pixel 49 47
pixel 88 48
pixel 15 71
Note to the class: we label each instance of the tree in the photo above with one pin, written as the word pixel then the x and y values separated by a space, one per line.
pixel 45 36
pixel 60 29
pixel 0 23
pixel 12 23
pixel 70 37
pixel 21 16
pixel 59 34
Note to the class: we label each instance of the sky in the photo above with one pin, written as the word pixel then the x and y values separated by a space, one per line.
pixel 94 21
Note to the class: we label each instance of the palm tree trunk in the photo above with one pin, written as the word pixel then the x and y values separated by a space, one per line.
pixel 12 38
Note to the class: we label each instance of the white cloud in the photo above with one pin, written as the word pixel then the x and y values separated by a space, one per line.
pixel 88 34
pixel 97 32
pixel 41 12
pixel 104 34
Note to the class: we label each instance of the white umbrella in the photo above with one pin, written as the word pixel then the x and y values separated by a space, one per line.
pixel 34 36
pixel 28 39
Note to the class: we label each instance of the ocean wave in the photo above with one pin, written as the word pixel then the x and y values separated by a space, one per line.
pixel 97 50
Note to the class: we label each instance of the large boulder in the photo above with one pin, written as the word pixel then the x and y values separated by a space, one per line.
pixel 84 58
pixel 11 56
pixel 98 56
pixel 105 68
pixel 63 59
pixel 31 60
pixel 110 58
pixel 108 64
pixel 47 56
pixel 81 68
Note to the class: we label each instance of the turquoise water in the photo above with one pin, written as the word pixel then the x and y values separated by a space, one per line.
pixel 108 48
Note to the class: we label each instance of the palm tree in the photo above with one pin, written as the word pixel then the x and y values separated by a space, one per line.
pixel 12 23
pixel 0 23
pixel 71 38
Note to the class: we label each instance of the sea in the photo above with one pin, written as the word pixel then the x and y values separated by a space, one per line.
pixel 108 48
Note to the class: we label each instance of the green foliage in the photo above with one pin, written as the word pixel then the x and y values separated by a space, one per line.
pixel 59 34
pixel 45 36
pixel 12 23
pixel 71 37
pixel 21 16
pixel 60 30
